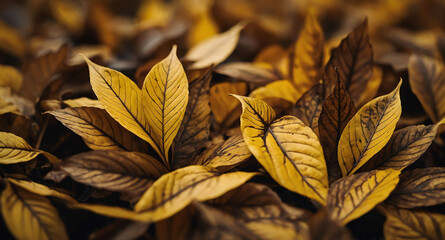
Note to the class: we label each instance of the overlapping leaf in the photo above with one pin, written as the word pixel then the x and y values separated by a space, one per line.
pixel 38 72
pixel 288 150
pixel 307 57
pixel 195 127
pixel 352 196
pixel 98 129
pixel 278 89
pixel 308 107
pixel 227 155
pixel 337 110
pixel 174 191
pixel 122 99
pixel 419 188
pixel 226 109
pixel 353 61
pixel 164 94
pixel 248 72
pixel 14 149
pixel 214 50
pixel 30 216
pixel 413 224
pixel 368 131
pixel 427 80
pixel 405 146
pixel 114 170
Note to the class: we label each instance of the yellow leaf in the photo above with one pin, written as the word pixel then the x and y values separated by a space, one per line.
pixel 288 150
pixel 10 41
pixel 14 149
pixel 30 216
pixel 307 59
pixel 68 13
pixel 41 190
pixel 226 109
pixel 352 196
pixel 10 77
pixel 165 96
pixel 203 28
pixel 122 99
pixel 154 13
pixel 153 114
pixel 368 131
pixel 216 49
pixel 83 102
pixel 98 129
pixel 276 56
pixel 413 224
pixel 174 191
pixel 226 155
pixel 278 89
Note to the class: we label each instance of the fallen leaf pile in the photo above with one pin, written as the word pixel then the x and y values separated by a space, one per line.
pixel 222 119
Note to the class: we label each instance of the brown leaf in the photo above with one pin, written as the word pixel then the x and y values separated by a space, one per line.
pixel 427 80
pixel 330 228
pixel 308 107
pixel 412 224
pixel 403 148
pixel 336 112
pixel 353 59
pixel 195 126
pixel 114 170
pixel 419 188
pixel 38 72
pixel 249 72
pixel 98 129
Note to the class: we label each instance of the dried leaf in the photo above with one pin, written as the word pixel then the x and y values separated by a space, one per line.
pixel 10 77
pixel 225 108
pixel 413 224
pixel 98 129
pixel 419 188
pixel 214 50
pixel 307 59
pixel 288 150
pixel 14 149
pixel 114 170
pixel 368 131
pixel 337 110
pixel 308 107
pixel 83 102
pixel 30 216
pixel 352 196
pixel 248 72
pixel 165 96
pixel 353 60
pixel 226 155
pixel 427 80
pixel 174 191
pixel 405 147
pixel 195 127
pixel 277 89
pixel 38 72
